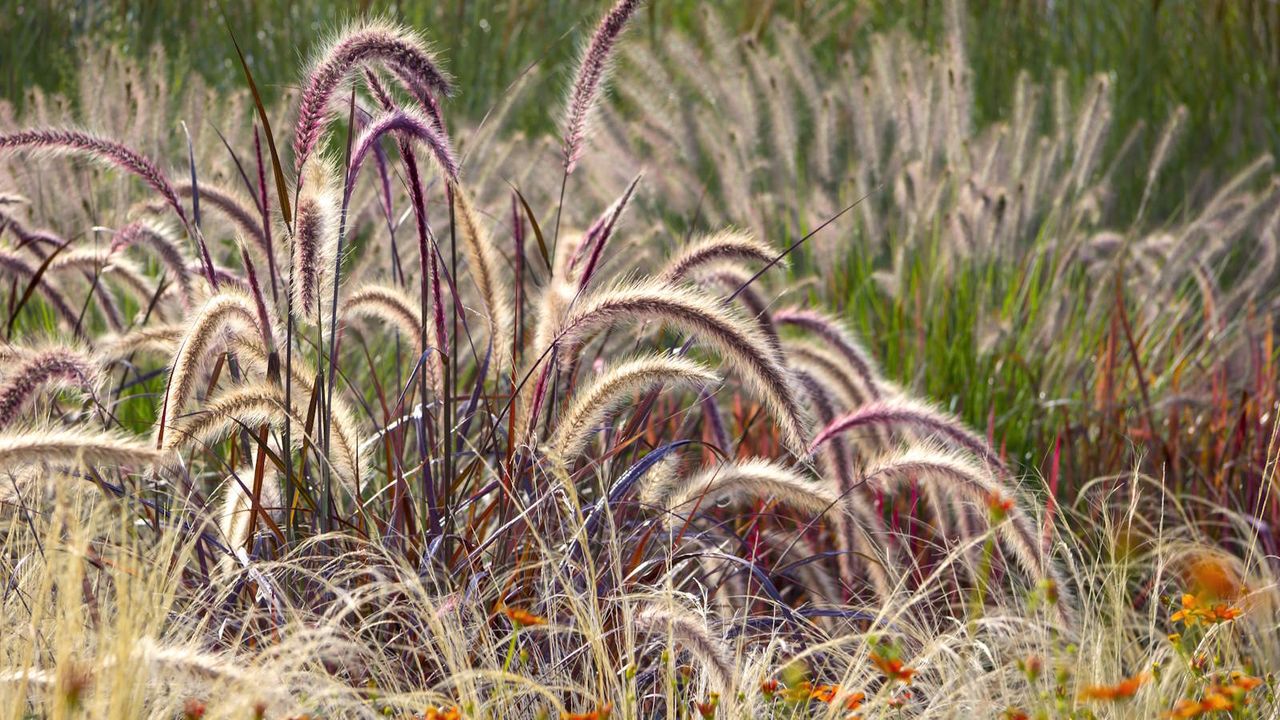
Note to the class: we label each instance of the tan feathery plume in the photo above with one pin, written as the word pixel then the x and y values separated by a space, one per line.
pixel 315 238
pixel 691 632
pixel 483 261
pixel 608 392
pixel 385 303
pixel 389 304
pixel 960 478
pixel 255 405
pixel 168 658
pixel 752 478
pixel 227 309
pixel 235 512
pixel 734 338
pixel 71 447
pixel 737 280
pixel 39 369
pixel 724 245
pixel 1161 152
pixel 161 339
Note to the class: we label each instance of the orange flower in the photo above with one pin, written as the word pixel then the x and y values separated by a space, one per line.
pixel 601 713
pixel 1122 690
pixel 1212 701
pixel 893 668
pixel 1190 612
pixel 770 687
pixel 521 617
pixel 1195 611
pixel 434 713
pixel 1185 709
pixel 824 693
pixel 1217 701
pixel 708 709
pixel 1244 682
pixel 1225 613
pixel 1015 714
pixel 854 701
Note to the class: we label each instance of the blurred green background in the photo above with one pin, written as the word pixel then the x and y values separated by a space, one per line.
pixel 1218 57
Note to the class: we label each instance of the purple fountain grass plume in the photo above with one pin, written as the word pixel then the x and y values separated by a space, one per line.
pixel 225 279
pixel 29 238
pixel 592 239
pixel 407 125
pixel 237 212
pixel 591 75
pixel 121 271
pixel 90 261
pixel 64 140
pixel 917 417
pixel 854 536
pixel 429 271
pixel 830 330
pixel 421 93
pixel 166 249
pixel 41 368
pixel 738 280
pixel 314 238
pixel 733 337
pixel 963 480
pixel 18 268
pixel 356 47
pixel 604 231
pixel 832 368
pixel 724 245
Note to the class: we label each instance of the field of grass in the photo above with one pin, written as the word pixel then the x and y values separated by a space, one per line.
pixel 639 360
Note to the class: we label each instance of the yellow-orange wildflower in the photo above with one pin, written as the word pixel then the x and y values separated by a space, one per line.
pixel 893 668
pixel 601 713
pixel 522 617
pixel 1122 690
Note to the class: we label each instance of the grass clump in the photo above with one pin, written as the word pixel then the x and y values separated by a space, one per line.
pixel 416 442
